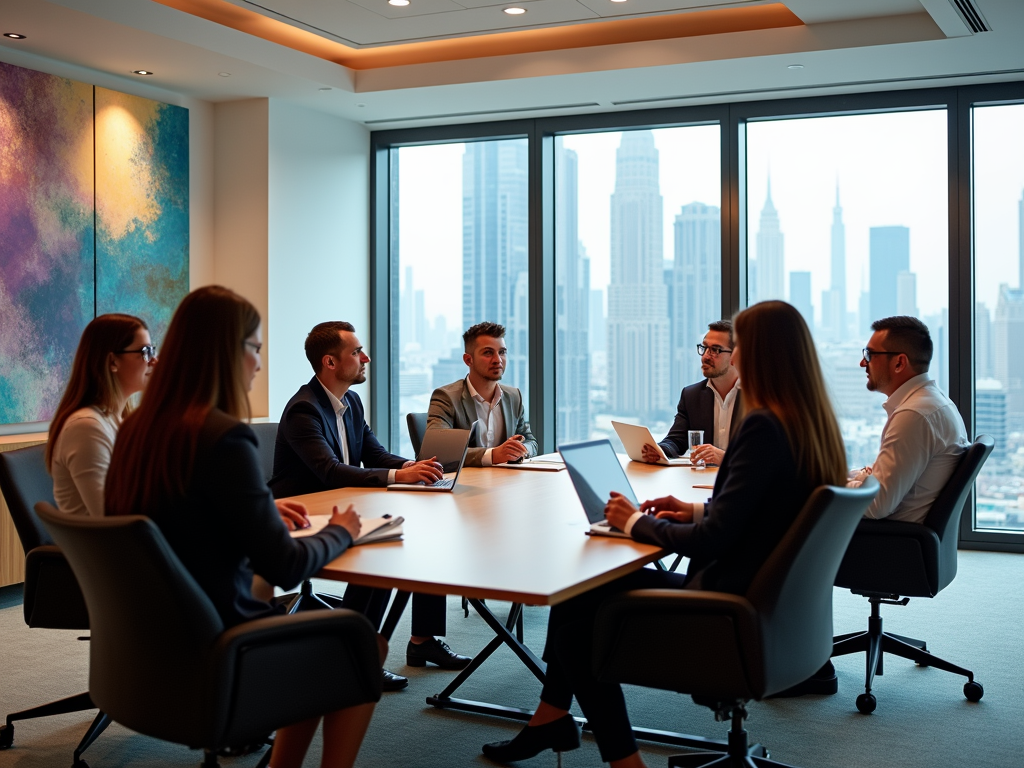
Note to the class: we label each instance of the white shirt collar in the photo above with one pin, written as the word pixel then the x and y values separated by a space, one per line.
pixel 480 398
pixel 338 406
pixel 895 400
pixel 735 388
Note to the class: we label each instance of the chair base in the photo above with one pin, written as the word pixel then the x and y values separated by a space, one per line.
pixel 875 643
pixel 77 703
pixel 738 754
pixel 308 600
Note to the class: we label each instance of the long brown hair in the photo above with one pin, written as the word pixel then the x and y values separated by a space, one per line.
pixel 92 382
pixel 780 372
pixel 200 369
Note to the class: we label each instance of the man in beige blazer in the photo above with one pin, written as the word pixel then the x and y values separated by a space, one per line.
pixel 503 433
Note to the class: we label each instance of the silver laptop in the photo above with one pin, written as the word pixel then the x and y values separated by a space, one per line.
pixel 450 447
pixel 595 472
pixel 635 436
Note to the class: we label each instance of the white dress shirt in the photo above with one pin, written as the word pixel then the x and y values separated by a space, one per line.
pixel 922 442
pixel 81 457
pixel 724 408
pixel 339 413
pixel 492 420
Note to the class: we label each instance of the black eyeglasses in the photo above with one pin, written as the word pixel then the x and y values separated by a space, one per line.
pixel 148 352
pixel 715 351
pixel 867 354
pixel 255 347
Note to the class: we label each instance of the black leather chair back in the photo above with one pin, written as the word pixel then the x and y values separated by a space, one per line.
pixel 266 436
pixel 944 516
pixel 417 423
pixel 24 481
pixel 152 625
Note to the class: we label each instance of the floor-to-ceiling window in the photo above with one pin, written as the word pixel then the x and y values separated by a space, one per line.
pixel 637 273
pixel 998 215
pixel 847 219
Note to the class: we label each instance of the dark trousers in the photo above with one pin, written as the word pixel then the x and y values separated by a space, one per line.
pixel 428 611
pixel 568 652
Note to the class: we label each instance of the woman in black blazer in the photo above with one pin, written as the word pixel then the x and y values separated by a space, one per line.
pixel 788 444
pixel 187 460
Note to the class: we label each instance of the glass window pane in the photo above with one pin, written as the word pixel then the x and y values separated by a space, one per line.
pixel 847 220
pixel 999 312
pixel 637 273
pixel 459 239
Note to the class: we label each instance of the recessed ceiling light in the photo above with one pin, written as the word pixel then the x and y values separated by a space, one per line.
pixel 141 72
pixel 618 1
pixel 515 11
pixel 15 35
pixel 398 2
pixel 795 66
pixel 224 74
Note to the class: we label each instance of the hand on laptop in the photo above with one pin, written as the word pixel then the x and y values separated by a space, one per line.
pixel 510 450
pixel 426 471
pixel 650 454
pixel 669 508
pixel 349 520
pixel 293 513
pixel 618 510
pixel 708 453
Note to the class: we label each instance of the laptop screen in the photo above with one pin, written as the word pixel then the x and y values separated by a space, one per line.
pixel 595 472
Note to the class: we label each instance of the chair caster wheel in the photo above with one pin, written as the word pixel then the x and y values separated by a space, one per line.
pixel 6 736
pixel 973 690
pixel 866 703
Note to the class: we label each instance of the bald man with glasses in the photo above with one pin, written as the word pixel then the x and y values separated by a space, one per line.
pixel 713 405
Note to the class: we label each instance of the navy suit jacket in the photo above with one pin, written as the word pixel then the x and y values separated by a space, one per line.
pixel 308 456
pixel 696 410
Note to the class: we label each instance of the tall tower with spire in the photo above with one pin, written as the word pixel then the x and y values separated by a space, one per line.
pixel 833 304
pixel 771 260
pixel 638 325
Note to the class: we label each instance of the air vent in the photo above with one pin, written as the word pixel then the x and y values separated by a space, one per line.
pixel 481 113
pixel 971 15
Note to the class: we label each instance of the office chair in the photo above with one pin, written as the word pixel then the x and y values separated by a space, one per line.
pixel 417 424
pixel 162 663
pixel 727 649
pixel 52 599
pixel 266 437
pixel 890 561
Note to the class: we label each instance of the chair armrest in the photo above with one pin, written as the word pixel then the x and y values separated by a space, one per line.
pixel 690 641
pixel 53 599
pixel 282 669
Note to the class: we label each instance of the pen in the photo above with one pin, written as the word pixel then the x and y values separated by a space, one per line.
pixel 706 487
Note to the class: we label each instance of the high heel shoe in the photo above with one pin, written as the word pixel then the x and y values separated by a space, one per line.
pixel 561 735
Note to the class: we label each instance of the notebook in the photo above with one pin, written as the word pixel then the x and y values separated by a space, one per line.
pixel 635 436
pixel 546 462
pixel 595 472
pixel 372 530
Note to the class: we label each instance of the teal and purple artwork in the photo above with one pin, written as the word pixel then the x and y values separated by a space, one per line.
pixel 93 219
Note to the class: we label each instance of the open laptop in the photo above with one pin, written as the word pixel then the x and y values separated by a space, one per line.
pixel 595 472
pixel 635 436
pixel 450 447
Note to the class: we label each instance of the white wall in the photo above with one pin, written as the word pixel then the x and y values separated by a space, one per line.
pixel 318 264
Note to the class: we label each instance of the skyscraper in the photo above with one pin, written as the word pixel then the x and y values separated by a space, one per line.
pixel 638 327
pixel 906 294
pixel 495 237
pixel 572 307
pixel 800 295
pixel 1020 231
pixel 771 259
pixel 889 255
pixel 696 286
pixel 833 304
pixel 1007 342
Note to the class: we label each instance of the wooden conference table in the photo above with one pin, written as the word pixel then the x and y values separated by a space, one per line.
pixel 503 534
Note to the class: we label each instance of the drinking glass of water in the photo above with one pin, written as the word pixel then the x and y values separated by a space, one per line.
pixel 695 438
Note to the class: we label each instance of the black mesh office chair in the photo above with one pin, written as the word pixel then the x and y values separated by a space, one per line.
pixel 417 424
pixel 266 436
pixel 888 562
pixel 162 664
pixel 52 597
pixel 726 649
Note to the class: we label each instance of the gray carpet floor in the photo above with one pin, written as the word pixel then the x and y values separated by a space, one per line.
pixel 922 718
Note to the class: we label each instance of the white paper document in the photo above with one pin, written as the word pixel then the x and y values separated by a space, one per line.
pixel 373 529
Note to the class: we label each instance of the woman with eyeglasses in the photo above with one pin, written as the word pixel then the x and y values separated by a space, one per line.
pixel 187 460
pixel 788 444
pixel 114 360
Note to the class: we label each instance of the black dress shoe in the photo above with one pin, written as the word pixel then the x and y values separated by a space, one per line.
pixel 393 682
pixel 435 651
pixel 561 735
pixel 822 683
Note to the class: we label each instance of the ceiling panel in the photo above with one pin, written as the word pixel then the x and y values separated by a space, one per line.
pixel 607 8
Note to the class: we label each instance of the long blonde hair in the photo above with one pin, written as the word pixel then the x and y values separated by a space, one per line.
pixel 781 372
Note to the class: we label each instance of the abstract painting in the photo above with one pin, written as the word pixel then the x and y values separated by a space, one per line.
pixel 46 236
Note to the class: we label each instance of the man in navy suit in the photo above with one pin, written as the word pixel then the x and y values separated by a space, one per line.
pixel 713 405
pixel 323 443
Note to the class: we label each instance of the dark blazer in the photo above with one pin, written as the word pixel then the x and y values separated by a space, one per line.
pixel 696 410
pixel 758 493
pixel 226 527
pixel 307 453
pixel 452 407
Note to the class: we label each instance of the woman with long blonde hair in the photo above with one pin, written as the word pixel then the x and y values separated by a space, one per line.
pixel 787 445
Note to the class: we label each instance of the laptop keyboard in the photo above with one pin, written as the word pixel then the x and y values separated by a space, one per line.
pixel 444 483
